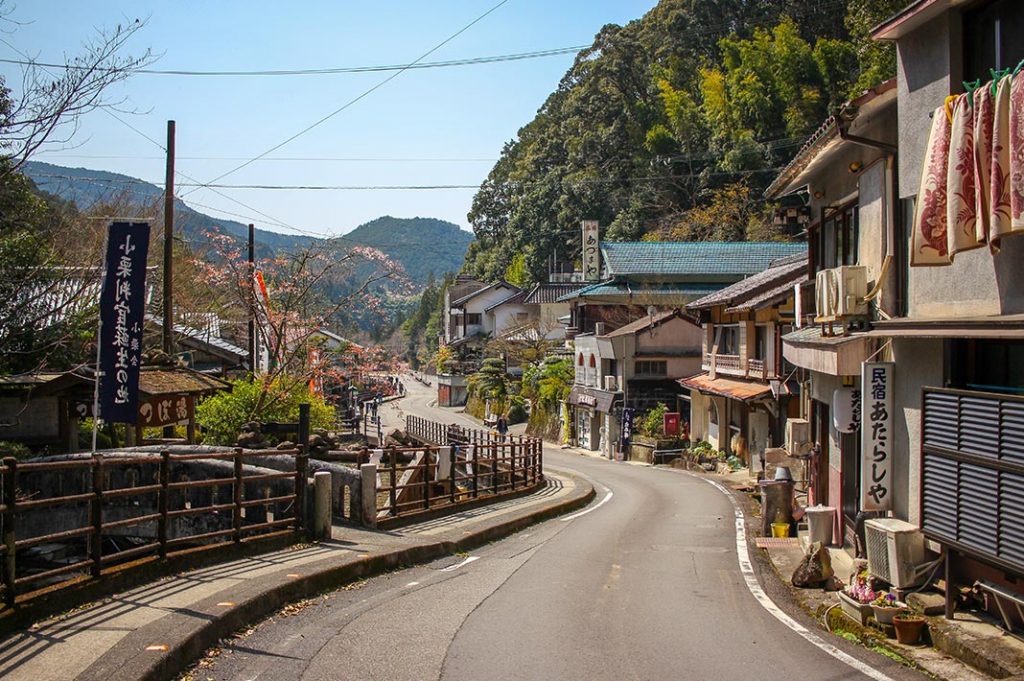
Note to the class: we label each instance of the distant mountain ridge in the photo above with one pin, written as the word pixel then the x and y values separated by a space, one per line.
pixel 421 245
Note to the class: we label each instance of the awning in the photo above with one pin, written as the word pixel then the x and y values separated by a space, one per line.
pixel 733 388
pixel 598 400
pixel 996 326
pixel 832 355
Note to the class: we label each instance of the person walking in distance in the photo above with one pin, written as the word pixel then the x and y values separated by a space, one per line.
pixel 502 427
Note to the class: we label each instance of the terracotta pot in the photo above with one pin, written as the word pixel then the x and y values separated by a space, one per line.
pixel 908 628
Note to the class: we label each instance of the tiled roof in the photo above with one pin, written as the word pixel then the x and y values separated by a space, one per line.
pixel 550 293
pixel 646 322
pixel 164 381
pixel 204 338
pixel 639 291
pixel 782 273
pixel 474 294
pixel 694 258
pixel 514 299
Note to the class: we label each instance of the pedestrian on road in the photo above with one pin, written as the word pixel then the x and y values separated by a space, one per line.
pixel 502 427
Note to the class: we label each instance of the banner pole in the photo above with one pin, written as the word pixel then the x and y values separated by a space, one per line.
pixel 99 344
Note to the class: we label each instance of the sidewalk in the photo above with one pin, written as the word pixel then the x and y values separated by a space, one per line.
pixel 154 631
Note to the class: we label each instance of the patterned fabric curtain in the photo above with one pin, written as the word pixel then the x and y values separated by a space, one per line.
pixel 972 183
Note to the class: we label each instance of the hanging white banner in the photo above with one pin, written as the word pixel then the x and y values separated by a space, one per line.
pixel 846 409
pixel 876 440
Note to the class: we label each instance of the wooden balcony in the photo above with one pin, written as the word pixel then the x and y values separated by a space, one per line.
pixel 732 365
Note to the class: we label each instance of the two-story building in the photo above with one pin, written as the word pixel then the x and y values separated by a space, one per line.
pixel 845 173
pixel 740 401
pixel 957 343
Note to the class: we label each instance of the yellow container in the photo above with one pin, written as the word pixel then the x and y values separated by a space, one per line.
pixel 780 529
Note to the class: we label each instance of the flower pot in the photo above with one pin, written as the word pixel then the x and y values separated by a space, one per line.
pixel 780 529
pixel 884 615
pixel 858 612
pixel 908 628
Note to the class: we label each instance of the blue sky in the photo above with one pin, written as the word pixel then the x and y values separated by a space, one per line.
pixel 465 112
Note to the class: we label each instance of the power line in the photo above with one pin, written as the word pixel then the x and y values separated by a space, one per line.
pixel 343 159
pixel 358 97
pixel 468 61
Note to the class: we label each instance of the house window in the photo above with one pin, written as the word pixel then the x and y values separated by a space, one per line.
pixel 472 319
pixel 839 238
pixel 760 342
pixel 651 368
pixel 992 38
pixel 986 365
pixel 580 360
pixel 593 362
pixel 728 340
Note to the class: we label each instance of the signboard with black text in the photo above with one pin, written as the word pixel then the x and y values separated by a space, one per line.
pixel 591 251
pixel 122 305
pixel 876 484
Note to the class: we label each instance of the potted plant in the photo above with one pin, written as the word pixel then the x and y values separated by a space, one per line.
pixel 908 628
pixel 885 607
pixel 856 598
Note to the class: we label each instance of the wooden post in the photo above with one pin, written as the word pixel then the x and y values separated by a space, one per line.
pixel 236 512
pixel 96 516
pixel 301 474
pixel 950 578
pixel 10 506
pixel 426 477
pixel 162 502
pixel 538 445
pixel 476 473
pixel 512 457
pixel 451 472
pixel 251 269
pixel 168 291
pixel 303 425
pixel 393 492
pixel 494 467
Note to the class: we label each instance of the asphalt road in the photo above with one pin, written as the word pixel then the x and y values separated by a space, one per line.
pixel 644 584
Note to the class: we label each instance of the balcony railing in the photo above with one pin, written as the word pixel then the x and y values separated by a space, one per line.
pixel 732 365
pixel 756 369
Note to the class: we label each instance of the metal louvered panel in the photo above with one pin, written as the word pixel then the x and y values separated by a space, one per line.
pixel 972 473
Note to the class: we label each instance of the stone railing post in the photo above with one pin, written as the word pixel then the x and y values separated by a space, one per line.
pixel 368 489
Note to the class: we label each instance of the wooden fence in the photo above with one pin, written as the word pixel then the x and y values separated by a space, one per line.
pixel 172 502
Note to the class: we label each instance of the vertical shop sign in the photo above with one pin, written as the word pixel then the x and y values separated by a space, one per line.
pixel 627 426
pixel 876 436
pixel 591 251
pixel 122 304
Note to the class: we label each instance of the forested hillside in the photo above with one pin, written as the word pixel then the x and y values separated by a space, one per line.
pixel 671 126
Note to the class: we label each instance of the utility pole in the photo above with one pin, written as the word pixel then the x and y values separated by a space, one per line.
pixel 253 349
pixel 169 254
pixel 169 244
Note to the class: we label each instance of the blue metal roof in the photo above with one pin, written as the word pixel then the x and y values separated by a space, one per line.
pixel 641 290
pixel 694 258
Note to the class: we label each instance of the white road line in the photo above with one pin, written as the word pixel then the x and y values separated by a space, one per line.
pixel 607 498
pixel 467 561
pixel 747 568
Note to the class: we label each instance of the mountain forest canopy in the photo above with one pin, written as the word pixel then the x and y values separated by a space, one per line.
pixel 670 128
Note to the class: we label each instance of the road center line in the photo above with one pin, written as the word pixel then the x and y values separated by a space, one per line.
pixel 607 498
pixel 467 561
pixel 747 568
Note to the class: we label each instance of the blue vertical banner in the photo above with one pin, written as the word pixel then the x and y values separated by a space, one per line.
pixel 122 306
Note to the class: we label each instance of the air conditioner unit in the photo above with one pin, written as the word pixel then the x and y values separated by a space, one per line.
pixel 895 550
pixel 610 384
pixel 839 292
pixel 798 436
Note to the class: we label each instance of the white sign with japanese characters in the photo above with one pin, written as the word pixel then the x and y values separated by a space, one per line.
pixel 876 438
pixel 591 251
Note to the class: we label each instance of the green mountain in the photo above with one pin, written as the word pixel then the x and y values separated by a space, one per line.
pixel 424 246
pixel 671 127
pixel 420 245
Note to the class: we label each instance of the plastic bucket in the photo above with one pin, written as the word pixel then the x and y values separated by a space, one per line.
pixel 780 529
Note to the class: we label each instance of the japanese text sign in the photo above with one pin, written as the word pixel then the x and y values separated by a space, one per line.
pixel 876 436
pixel 627 426
pixel 166 410
pixel 591 251
pixel 846 409
pixel 122 305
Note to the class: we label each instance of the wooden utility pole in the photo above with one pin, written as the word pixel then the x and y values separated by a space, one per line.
pixel 169 244
pixel 253 349
pixel 169 254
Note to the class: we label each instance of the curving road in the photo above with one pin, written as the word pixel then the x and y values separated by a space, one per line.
pixel 643 584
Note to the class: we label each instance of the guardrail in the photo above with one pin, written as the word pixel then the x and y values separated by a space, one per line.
pixel 173 502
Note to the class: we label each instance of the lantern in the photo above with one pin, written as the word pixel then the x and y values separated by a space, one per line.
pixel 846 409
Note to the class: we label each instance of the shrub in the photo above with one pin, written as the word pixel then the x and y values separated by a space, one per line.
pixel 222 416
pixel 653 423
pixel 517 410
pixel 15 449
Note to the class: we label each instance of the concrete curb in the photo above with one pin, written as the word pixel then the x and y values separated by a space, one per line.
pixel 188 635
